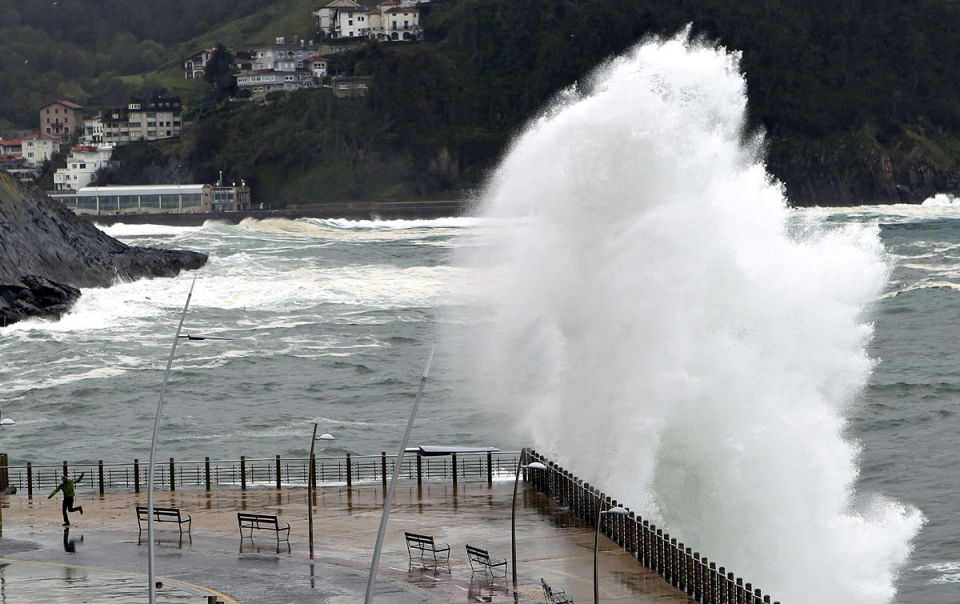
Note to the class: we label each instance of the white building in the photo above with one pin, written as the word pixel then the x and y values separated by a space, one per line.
pixel 152 199
pixel 317 66
pixel 390 21
pixel 82 165
pixel 37 148
pixel 92 130
pixel 400 23
pixel 282 67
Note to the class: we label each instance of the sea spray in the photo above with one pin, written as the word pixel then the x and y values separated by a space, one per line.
pixel 663 329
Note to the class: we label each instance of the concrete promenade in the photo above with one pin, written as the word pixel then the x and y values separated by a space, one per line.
pixel 102 558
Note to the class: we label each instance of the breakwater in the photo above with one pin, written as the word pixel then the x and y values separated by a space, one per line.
pixel 686 570
pixel 401 210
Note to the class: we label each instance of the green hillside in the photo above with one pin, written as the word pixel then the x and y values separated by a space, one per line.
pixel 856 96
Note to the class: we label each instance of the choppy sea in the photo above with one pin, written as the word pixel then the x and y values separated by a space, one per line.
pixel 332 322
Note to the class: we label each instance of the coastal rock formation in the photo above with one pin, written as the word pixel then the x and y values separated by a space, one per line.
pixel 47 254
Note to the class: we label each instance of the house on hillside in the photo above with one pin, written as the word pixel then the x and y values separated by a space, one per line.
pixel 389 21
pixel 396 22
pixel 60 118
pixel 147 119
pixel 38 148
pixel 82 165
pixel 93 130
pixel 317 66
pixel 11 147
pixel 282 67
pixel 195 64
pixel 351 86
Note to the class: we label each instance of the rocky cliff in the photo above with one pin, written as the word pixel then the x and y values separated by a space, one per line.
pixel 47 254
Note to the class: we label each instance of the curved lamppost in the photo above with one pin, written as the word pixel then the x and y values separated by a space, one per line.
pixel 151 572
pixel 596 548
pixel 513 513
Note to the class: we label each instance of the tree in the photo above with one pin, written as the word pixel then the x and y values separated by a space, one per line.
pixel 219 73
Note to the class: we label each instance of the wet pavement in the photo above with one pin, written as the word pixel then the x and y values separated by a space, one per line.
pixel 103 557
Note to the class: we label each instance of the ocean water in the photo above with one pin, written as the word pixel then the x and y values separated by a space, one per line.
pixel 776 387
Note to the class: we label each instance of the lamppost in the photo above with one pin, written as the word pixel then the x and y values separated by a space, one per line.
pixel 311 471
pixel 313 444
pixel 596 548
pixel 513 513
pixel 375 563
pixel 151 574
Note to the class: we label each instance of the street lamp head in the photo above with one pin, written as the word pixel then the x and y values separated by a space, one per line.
pixel 617 510
pixel 535 466
pixel 326 437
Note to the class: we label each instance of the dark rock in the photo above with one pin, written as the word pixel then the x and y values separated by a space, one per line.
pixel 47 254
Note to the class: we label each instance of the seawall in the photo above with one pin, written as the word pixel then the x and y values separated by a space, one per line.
pixel 406 210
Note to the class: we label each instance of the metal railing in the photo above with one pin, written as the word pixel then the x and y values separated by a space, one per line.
pixel 275 473
pixel 683 568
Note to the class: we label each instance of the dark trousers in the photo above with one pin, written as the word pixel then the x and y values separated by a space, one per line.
pixel 68 507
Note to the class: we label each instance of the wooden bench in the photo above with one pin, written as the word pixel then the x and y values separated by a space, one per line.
pixel 555 595
pixel 424 544
pixel 264 522
pixel 162 515
pixel 482 558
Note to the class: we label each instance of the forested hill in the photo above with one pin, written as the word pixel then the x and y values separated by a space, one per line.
pixel 858 97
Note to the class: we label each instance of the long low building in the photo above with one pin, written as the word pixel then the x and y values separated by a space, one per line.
pixel 154 199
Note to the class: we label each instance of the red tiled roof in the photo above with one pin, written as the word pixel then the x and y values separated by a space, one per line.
pixel 10 143
pixel 67 104
pixel 401 9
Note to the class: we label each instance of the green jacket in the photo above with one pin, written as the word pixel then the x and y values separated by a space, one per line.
pixel 67 487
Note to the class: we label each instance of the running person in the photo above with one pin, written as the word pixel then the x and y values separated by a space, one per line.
pixel 67 486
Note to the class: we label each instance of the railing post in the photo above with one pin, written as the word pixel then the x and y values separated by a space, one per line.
pixel 383 468
pixel 173 476
pixel 29 480
pixel 453 457
pixel 419 468
pixel 697 577
pixel 136 475
pixel 312 478
pixel 100 474
pixel 349 472
pixel 243 472
pixel 278 472
pixel 65 468
pixel 489 468
pixel 206 471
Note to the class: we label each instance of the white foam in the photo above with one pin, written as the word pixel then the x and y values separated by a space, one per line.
pixel 663 331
